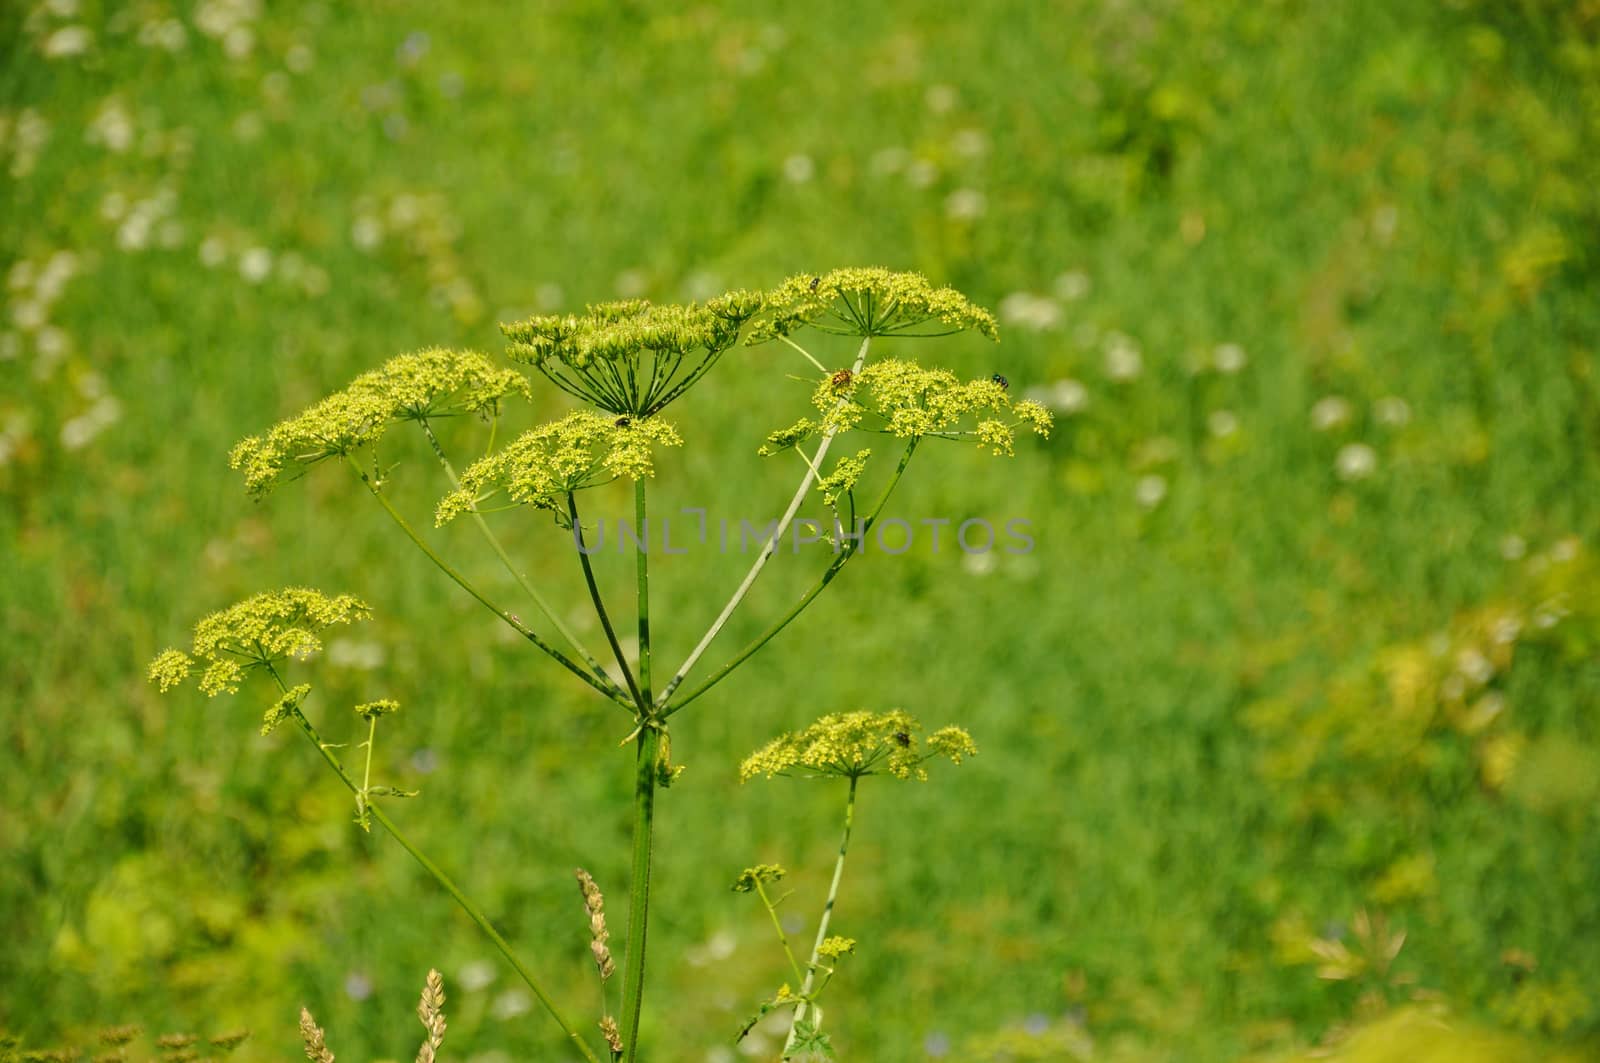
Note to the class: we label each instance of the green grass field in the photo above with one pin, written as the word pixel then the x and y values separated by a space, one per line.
pixel 1309 637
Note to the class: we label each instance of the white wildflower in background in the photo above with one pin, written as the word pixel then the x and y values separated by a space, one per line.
pixel 1124 361
pixel 1150 490
pixel 921 173
pixel 1384 221
pixel 631 283
pixel 67 42
pixel 28 315
pixel 888 161
pixel 475 975
pixel 356 654
pixel 366 233
pixel 1513 547
pixel 1072 285
pixel 1027 310
pixel 1228 358
pixel 111 126
pixel 213 251
pixel 965 204
pixel 1391 411
pixel 510 1004
pixel 978 564
pixel 1355 461
pixel 940 98
pixel 1065 396
pixel 28 137
pixel 255 264
pixel 1222 423
pixel 798 169
pixel 167 34
pixel 81 430
pixel 10 346
pixel 1330 412
pixel 969 143
pixel 298 59
pixel 549 297
pixel 702 285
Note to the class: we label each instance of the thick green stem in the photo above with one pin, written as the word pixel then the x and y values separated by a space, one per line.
pixel 827 914
pixel 639 699
pixel 826 578
pixel 505 558
pixel 644 798
pixel 601 683
pixel 646 775
pixel 449 886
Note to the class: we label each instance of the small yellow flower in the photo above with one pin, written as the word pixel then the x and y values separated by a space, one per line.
pixel 751 877
pixel 835 947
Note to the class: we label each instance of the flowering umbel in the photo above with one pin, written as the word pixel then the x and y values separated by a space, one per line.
pixel 904 399
pixel 583 449
pixel 631 357
pixel 428 384
pixel 854 744
pixel 869 302
pixel 256 633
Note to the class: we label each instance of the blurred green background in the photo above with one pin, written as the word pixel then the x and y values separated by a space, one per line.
pixel 1307 646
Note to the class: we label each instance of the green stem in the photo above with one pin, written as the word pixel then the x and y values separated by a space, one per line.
pixel 826 578
pixel 777 924
pixel 472 910
pixel 646 774
pixel 366 774
pixel 505 558
pixel 599 604
pixel 827 914
pixel 600 683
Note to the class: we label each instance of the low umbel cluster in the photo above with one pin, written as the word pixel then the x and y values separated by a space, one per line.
pixel 428 384
pixel 855 744
pixel 583 449
pixel 906 400
pixel 256 633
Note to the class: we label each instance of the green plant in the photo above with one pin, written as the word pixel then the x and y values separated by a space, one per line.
pixel 627 362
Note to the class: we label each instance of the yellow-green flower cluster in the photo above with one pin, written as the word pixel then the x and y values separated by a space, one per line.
pixel 429 383
pixel 752 877
pixel 632 357
pixel 255 633
pixel 843 477
pixel 283 709
pixel 869 302
pixel 581 450
pixel 834 947
pixel 853 744
pixel 371 710
pixel 904 399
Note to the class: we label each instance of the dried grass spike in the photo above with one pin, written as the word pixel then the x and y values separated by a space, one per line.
pixel 430 1009
pixel 595 904
pixel 608 1027
pixel 311 1034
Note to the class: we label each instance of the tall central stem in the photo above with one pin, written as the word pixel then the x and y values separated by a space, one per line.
pixel 644 802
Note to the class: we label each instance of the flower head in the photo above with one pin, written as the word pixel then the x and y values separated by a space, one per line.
pixel 853 744
pixel 904 399
pixel 581 450
pixel 869 302
pixel 256 633
pixel 371 710
pixel 429 383
pixel 834 947
pixel 631 357
pixel 752 877
pixel 284 708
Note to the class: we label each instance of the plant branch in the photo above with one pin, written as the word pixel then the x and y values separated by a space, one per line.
pixel 505 558
pixel 777 924
pixel 449 886
pixel 767 551
pixel 601 683
pixel 639 699
pixel 806 599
